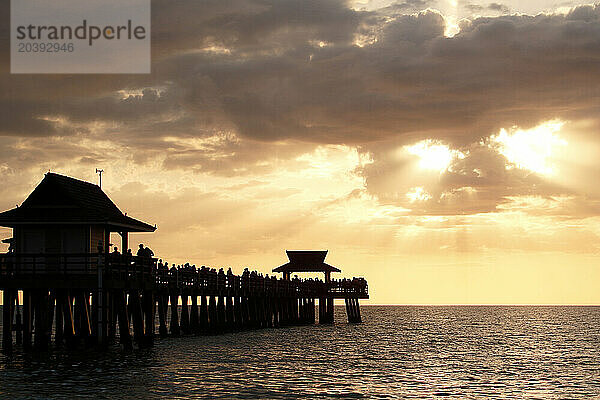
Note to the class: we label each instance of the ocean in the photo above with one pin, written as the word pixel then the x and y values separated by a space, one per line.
pixel 398 352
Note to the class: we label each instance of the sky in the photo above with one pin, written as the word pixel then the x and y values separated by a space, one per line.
pixel 447 151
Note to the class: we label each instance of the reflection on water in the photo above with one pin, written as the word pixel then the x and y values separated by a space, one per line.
pixel 399 352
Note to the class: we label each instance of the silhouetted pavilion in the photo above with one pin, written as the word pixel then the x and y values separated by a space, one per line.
pixel 306 261
pixel 67 215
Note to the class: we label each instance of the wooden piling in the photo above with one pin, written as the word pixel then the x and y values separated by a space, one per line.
pixel 41 320
pixel 203 314
pixel 269 311
pixel 68 322
pixel 237 311
pixel 27 319
pixel 7 317
pixel 149 308
pixel 245 312
pixel 137 317
pixel 83 327
pixel 174 329
pixel 18 322
pixel 112 316
pixel 123 319
pixel 162 314
pixel 212 314
pixel 194 321
pixel 59 325
pixel 220 314
pixel 184 324
pixel 348 309
pixel 229 313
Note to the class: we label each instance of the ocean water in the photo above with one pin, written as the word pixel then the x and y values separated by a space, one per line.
pixel 398 352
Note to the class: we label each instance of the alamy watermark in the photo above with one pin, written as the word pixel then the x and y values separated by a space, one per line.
pixel 75 36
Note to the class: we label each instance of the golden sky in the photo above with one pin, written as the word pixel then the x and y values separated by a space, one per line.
pixel 445 150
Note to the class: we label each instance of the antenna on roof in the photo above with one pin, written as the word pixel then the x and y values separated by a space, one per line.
pixel 99 172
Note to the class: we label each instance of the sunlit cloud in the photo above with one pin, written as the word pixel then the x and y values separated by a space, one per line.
pixel 418 194
pixel 531 149
pixel 433 155
pixel 452 26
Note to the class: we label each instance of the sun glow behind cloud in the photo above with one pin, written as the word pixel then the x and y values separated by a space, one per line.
pixel 531 149
pixel 433 155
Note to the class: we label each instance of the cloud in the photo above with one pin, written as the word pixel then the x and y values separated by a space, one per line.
pixel 499 7
pixel 274 85
pixel 245 88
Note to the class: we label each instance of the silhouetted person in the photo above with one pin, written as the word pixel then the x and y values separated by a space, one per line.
pixel 115 256
pixel 221 278
pixel 229 277
pixel 149 252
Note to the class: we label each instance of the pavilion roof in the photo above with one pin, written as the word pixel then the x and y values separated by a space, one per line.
pixel 306 261
pixel 60 199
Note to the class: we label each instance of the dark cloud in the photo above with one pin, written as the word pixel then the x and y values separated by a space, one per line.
pixel 497 71
pixel 243 77
pixel 499 7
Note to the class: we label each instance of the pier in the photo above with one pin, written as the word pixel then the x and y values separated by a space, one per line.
pixel 73 290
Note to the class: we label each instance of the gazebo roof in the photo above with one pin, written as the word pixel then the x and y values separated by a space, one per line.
pixel 306 261
pixel 60 199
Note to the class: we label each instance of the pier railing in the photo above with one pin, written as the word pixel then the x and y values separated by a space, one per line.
pixel 126 269
pixel 43 265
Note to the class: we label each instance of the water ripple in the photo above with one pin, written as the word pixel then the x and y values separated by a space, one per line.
pixel 398 353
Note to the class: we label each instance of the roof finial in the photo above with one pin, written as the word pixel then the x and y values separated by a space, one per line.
pixel 99 172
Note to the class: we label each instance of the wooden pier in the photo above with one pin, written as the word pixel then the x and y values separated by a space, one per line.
pixel 89 298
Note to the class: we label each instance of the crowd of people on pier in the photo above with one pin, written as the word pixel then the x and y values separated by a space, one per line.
pixel 188 274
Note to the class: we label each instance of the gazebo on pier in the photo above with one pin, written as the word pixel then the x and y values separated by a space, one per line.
pixel 306 261
pixel 314 261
